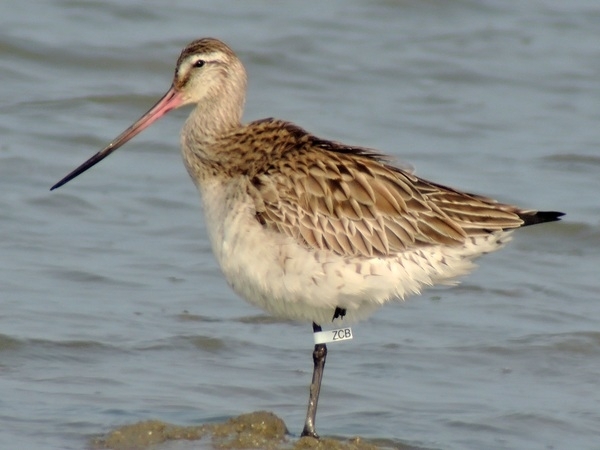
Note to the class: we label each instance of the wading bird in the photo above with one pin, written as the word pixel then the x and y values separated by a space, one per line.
pixel 307 228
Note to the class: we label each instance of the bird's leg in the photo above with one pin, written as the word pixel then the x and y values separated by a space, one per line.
pixel 319 355
pixel 339 312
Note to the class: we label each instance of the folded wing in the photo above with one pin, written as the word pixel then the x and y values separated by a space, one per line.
pixel 351 201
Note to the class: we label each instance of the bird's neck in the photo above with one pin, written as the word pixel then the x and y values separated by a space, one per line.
pixel 202 134
pixel 211 119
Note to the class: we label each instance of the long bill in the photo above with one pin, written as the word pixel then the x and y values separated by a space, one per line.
pixel 171 100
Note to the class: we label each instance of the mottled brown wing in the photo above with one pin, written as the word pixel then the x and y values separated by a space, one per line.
pixel 349 201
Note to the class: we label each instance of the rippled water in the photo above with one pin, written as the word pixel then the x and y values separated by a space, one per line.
pixel 112 309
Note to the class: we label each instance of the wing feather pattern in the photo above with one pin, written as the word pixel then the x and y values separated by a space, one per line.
pixel 351 201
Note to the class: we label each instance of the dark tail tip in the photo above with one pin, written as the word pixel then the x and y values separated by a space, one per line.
pixel 535 217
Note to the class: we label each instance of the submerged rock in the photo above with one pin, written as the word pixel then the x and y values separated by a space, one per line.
pixel 257 430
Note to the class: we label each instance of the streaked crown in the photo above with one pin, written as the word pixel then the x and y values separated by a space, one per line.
pixel 209 69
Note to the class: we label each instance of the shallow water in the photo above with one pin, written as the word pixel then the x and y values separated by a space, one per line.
pixel 112 309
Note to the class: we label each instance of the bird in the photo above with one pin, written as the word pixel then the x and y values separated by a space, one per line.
pixel 311 229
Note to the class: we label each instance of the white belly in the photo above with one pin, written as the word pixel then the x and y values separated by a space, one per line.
pixel 272 271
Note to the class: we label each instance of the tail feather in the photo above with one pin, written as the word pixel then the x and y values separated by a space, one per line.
pixel 535 217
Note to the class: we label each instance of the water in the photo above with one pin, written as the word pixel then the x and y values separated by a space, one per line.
pixel 112 309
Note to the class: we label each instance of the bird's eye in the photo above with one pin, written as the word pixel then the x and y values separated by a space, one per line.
pixel 199 63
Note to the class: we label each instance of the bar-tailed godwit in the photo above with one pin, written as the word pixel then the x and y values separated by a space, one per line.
pixel 311 229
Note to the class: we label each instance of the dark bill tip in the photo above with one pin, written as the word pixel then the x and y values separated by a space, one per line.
pixel 85 166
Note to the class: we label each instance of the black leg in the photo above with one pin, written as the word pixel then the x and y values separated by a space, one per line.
pixel 339 312
pixel 319 355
